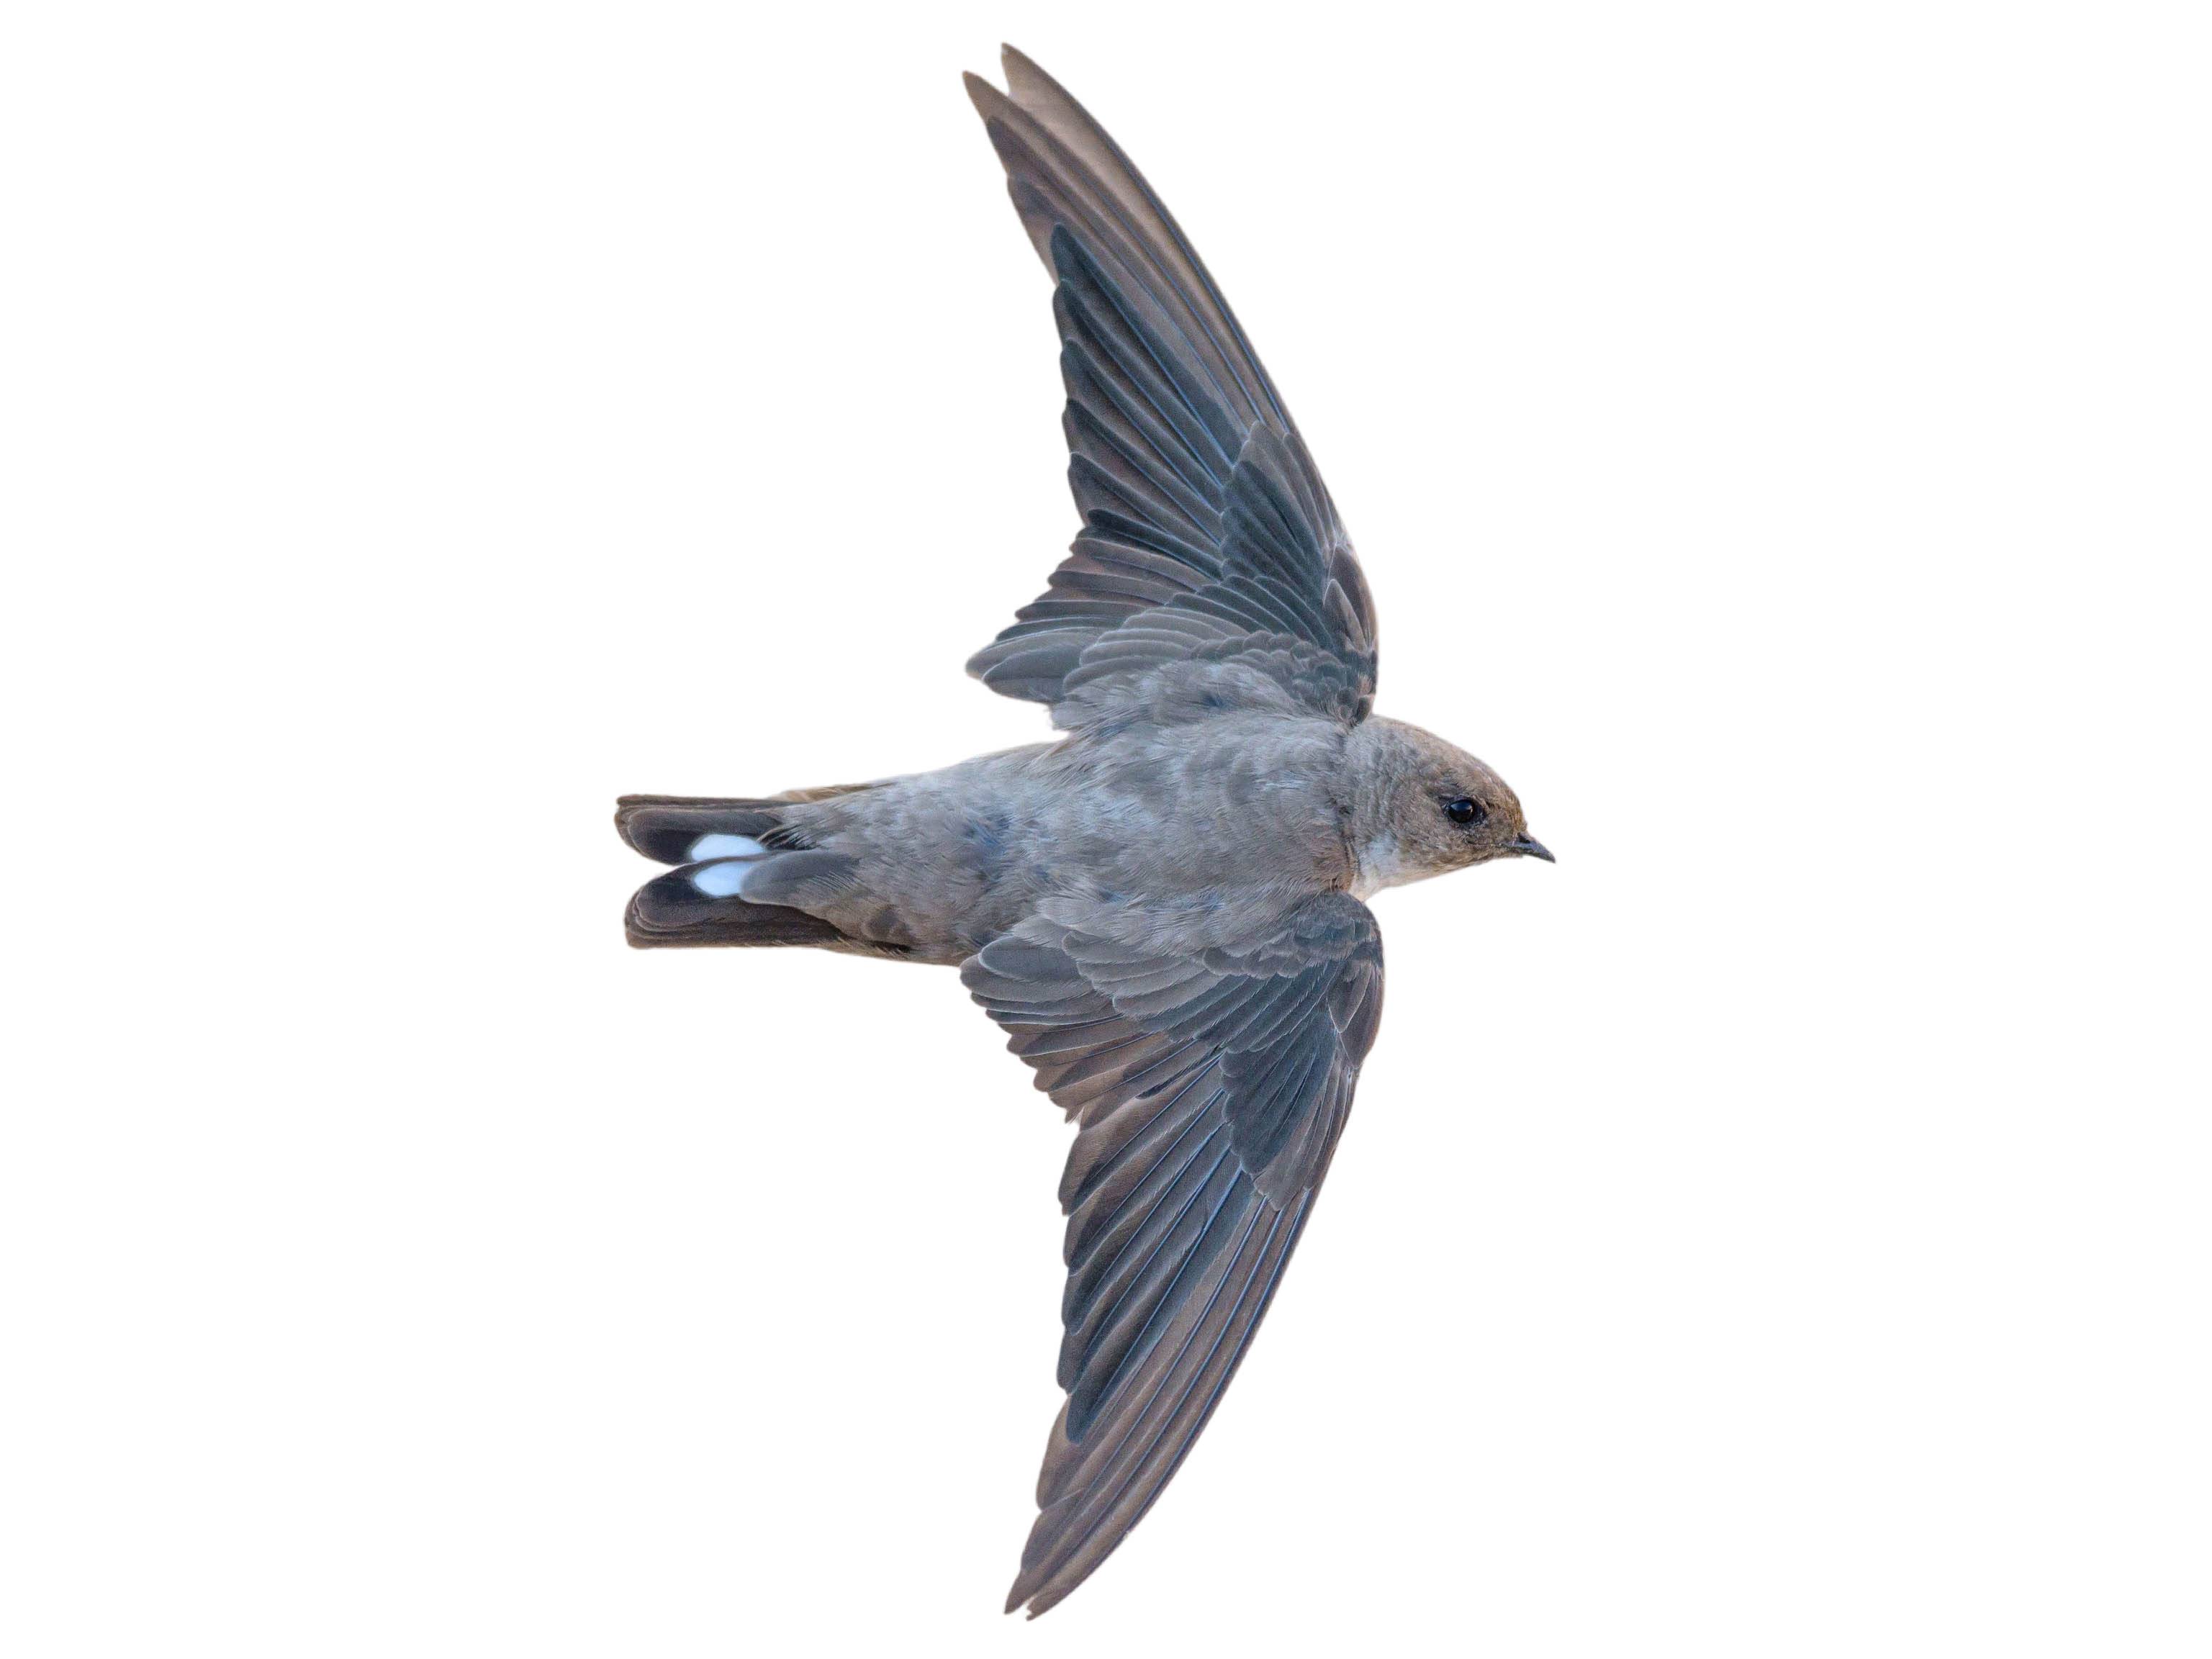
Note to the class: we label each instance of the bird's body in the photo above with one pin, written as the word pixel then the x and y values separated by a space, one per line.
pixel 1195 826
pixel 1163 907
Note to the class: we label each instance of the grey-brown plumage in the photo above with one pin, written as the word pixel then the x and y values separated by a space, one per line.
pixel 1163 907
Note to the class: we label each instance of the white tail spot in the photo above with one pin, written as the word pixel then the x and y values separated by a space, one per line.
pixel 719 846
pixel 723 880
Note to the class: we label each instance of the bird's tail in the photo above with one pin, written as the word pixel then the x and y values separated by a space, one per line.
pixel 736 860
pixel 686 830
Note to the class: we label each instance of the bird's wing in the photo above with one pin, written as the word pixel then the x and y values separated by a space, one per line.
pixel 1210 570
pixel 1210 1086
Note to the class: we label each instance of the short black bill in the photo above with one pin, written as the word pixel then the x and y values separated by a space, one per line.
pixel 1529 847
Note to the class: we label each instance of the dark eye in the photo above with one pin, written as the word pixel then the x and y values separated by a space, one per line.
pixel 1463 810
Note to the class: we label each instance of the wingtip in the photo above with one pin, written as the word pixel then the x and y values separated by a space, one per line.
pixel 1041 1603
pixel 1032 85
pixel 990 103
pixel 1026 80
pixel 1017 65
pixel 1030 1600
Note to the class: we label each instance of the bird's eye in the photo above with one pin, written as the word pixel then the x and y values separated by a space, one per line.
pixel 1463 810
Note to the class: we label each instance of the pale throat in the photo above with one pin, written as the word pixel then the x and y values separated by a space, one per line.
pixel 1380 863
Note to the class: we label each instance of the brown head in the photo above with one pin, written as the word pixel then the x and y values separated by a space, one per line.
pixel 1417 807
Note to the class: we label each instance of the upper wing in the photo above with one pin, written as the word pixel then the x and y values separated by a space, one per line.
pixel 1208 538
pixel 1210 1088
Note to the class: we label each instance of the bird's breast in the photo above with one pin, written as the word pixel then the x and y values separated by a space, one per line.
pixel 1222 805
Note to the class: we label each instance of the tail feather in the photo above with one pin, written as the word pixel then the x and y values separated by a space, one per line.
pixel 679 909
pixel 678 829
pixel 743 871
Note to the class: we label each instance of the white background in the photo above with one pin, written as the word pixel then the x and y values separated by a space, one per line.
pixel 1777 438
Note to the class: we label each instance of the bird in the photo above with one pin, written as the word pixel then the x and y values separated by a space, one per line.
pixel 1164 906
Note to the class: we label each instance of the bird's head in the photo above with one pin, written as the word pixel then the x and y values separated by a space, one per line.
pixel 1417 807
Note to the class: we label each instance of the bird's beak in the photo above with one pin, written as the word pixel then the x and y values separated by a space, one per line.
pixel 1529 847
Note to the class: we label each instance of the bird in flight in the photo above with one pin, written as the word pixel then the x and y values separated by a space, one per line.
pixel 1163 908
